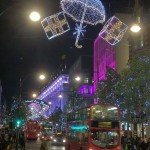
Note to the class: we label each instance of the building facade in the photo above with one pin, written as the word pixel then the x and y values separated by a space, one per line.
pixel 55 94
pixel 106 55
pixel 66 91
pixel 81 92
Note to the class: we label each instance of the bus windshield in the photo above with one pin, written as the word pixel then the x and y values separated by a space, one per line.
pixel 105 138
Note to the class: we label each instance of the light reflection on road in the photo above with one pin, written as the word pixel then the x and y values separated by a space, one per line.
pixel 35 145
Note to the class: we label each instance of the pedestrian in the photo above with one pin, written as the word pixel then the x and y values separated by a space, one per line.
pixel 43 145
pixel 3 143
pixel 144 144
pixel 148 142
pixel 9 146
pixel 123 142
pixel 14 137
pixel 129 143
pixel 22 140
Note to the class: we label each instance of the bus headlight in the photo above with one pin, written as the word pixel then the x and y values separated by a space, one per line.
pixel 54 140
pixel 42 137
pixel 64 141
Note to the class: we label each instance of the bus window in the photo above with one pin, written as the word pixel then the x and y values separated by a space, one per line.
pixel 105 112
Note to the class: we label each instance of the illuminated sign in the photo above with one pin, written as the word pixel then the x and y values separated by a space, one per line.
pixel 78 127
pixel 105 124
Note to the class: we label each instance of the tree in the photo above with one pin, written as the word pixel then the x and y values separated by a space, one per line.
pixel 134 87
pixel 18 109
pixel 107 87
pixel 130 91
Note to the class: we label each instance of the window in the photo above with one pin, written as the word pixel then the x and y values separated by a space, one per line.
pixel 86 80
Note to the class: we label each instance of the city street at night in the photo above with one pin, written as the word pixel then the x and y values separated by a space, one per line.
pixel 75 75
pixel 35 145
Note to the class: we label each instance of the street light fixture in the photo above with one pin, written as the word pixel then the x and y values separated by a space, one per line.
pixel 34 95
pixel 77 78
pixel 60 96
pixel 35 16
pixel 42 77
pixel 135 28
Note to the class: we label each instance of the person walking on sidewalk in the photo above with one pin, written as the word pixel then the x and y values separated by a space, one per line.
pixel 43 145
pixel 22 140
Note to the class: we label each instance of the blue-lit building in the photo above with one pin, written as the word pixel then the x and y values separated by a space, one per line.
pixel 55 94
pixel 64 87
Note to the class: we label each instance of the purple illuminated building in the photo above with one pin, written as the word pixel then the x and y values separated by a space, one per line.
pixel 104 56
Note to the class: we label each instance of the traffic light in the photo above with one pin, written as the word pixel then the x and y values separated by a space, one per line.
pixel 18 123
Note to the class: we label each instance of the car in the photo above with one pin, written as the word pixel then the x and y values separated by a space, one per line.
pixel 46 136
pixel 58 139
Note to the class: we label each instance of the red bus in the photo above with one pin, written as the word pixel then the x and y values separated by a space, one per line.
pixel 32 129
pixel 96 127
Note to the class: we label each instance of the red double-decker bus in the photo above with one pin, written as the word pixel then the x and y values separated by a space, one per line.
pixel 32 129
pixel 96 127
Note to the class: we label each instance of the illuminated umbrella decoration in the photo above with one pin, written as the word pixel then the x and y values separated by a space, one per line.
pixel 84 11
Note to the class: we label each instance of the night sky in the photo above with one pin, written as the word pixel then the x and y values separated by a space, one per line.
pixel 25 50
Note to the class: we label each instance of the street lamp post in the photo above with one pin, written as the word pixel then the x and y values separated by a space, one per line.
pixel 138 8
pixel 77 80
pixel 0 103
pixel 17 116
pixel 42 77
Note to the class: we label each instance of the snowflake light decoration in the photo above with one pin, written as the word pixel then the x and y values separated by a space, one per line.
pixel 84 11
pixel 55 25
pixel 78 29
pixel 113 30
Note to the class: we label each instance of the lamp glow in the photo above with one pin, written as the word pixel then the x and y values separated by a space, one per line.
pixel 34 95
pixel 35 16
pixel 42 77
pixel 60 96
pixel 77 78
pixel 135 28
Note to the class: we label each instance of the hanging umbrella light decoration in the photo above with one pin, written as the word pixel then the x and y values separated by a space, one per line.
pixel 83 11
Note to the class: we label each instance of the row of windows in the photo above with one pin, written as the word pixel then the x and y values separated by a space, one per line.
pixel 79 135
pixel 79 115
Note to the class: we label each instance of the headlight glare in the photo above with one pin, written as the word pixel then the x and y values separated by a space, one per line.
pixel 54 140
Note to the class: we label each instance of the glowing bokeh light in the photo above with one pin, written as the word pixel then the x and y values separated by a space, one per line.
pixel 35 16
pixel 42 77
pixel 135 28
